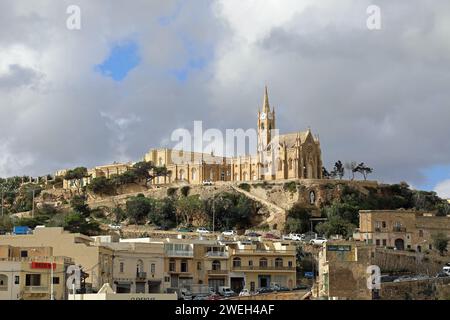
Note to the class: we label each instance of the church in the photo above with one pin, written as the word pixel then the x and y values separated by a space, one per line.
pixel 294 155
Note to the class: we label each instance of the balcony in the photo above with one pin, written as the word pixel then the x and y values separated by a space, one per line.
pixel 263 268
pixel 3 288
pixel 37 289
pixel 180 253
pixel 217 272
pixel 399 229
pixel 141 275
pixel 217 254
pixel 377 229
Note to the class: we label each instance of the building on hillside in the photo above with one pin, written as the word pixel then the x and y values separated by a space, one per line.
pixel 25 273
pixel 255 265
pixel 106 171
pixel 287 156
pixel 343 271
pixel 401 229
pixel 95 260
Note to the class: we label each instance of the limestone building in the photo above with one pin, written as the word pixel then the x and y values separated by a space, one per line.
pixel 294 155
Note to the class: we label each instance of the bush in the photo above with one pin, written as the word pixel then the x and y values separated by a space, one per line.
pixel 102 185
pixel 290 186
pixel 440 242
pixel 138 208
pixel 297 219
pixel 171 192
pixel 78 203
pixel 185 190
pixel 245 187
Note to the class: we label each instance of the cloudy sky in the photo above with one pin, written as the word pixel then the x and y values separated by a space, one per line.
pixel 138 70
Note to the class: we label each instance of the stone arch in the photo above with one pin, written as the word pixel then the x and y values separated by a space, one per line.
pixel 193 174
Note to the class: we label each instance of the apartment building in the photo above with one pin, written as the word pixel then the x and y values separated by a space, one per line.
pixel 401 229
pixel 32 273
pixel 95 260
pixel 137 267
pixel 256 265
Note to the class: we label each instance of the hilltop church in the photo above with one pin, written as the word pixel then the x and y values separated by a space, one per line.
pixel 285 156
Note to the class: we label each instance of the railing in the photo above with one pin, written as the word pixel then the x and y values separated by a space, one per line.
pixel 141 275
pixel 265 252
pixel 399 229
pixel 274 268
pixel 219 254
pixel 36 289
pixel 3 288
pixel 217 271
pixel 377 229
pixel 179 253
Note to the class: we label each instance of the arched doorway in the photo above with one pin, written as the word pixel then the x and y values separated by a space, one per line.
pixel 399 244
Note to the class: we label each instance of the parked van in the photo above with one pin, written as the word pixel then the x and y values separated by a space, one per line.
pixel 446 270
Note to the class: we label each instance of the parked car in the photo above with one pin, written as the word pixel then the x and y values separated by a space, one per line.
pixel 214 296
pixel 442 275
pixel 253 235
pixel 446 270
pixel 388 278
pixel 271 236
pixel 201 297
pixel 229 233
pixel 287 237
pixel 296 237
pixel 203 230
pixel 244 293
pixel 226 292
pixel 207 183
pixel 278 288
pixel 184 229
pixel 264 290
pixel 318 241
pixel 162 228
pixel 115 226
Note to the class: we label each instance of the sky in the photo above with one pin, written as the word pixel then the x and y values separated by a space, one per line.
pixel 135 73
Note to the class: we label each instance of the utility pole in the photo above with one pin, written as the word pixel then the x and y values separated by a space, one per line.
pixel 214 214
pixel 32 211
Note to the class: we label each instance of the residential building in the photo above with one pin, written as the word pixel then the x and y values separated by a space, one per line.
pixel 95 260
pixel 30 273
pixel 401 229
pixel 256 265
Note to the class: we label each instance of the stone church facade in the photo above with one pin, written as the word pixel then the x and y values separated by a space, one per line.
pixel 294 155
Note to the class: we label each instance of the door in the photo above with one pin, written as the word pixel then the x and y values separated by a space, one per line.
pixel 400 244
pixel 237 284
pixel 264 281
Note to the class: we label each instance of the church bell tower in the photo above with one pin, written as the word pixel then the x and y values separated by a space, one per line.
pixel 266 123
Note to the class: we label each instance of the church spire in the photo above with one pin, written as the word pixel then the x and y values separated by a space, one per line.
pixel 266 106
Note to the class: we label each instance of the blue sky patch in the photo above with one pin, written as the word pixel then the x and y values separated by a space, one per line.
pixel 122 59
pixel 435 175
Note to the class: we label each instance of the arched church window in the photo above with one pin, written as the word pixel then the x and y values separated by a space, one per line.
pixel 194 174
pixel 290 164
pixel 280 165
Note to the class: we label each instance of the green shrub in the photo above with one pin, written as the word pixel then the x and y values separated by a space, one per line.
pixel 290 186
pixel 185 190
pixel 171 192
pixel 245 187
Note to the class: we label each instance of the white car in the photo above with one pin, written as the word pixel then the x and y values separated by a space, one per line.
pixel 244 293
pixel 318 241
pixel 207 183
pixel 115 226
pixel 229 233
pixel 202 230
pixel 296 237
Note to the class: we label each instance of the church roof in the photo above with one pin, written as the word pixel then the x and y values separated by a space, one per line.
pixel 290 139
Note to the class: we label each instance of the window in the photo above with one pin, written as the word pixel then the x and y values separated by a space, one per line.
pixel 16 280
pixel 421 233
pixel 384 242
pixel 166 279
pixel 55 280
pixel 252 286
pixel 32 280
pixel 290 264
pixel 172 265
pixel 121 267
pixel 383 224
pixel 184 266
pixel 263 263
pixel 199 265
pixel 377 242
pixel 250 263
pixel 236 262
pixel 152 268
pixel 279 262
pixel 216 265
pixel 24 254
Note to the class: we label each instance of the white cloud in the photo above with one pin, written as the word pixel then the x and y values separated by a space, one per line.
pixel 443 189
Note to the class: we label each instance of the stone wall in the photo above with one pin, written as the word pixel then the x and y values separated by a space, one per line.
pixel 433 289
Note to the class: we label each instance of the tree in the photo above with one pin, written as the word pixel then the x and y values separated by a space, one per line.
pixel 440 241
pixel 164 213
pixel 336 225
pixel 78 203
pixel 138 208
pixel 338 170
pixel 76 223
pixel 102 185
pixel 297 219
pixel 189 208
pixel 363 169
pixel 77 175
